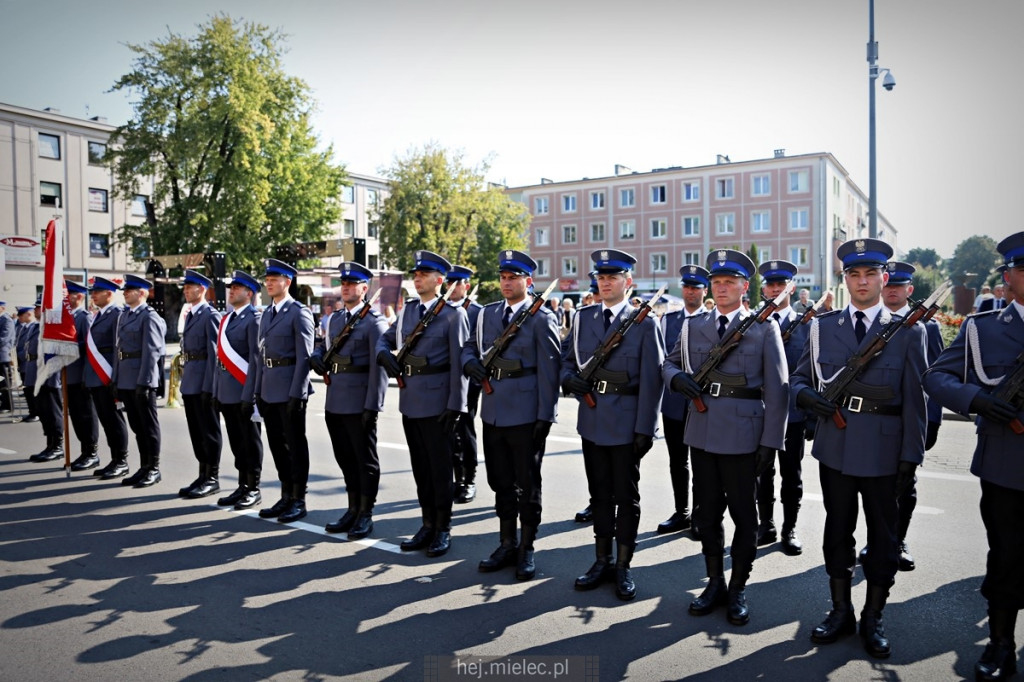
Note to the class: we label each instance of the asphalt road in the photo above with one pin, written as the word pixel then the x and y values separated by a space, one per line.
pixel 104 582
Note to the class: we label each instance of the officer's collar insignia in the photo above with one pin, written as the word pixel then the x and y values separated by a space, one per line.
pixel 842 320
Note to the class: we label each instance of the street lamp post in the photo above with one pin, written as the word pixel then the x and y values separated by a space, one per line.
pixel 888 82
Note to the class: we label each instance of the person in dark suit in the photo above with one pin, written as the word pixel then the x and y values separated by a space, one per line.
pixel 996 302
pixel 518 413
pixel 875 456
pixel 98 376
pixel 47 396
pixel 750 387
pixel 620 429
pixel 282 388
pixel 694 280
pixel 199 356
pixel 464 441
pixel 137 373
pixel 81 410
pixel 964 379
pixel 234 388
pixel 355 396
pixel 25 322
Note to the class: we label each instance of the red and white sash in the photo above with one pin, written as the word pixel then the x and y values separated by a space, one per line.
pixel 228 356
pixel 98 363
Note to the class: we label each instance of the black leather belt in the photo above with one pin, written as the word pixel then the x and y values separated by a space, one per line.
pixel 411 371
pixel 189 357
pixel 278 362
pixel 32 358
pixel 122 355
pixel 860 405
pixel 105 349
pixel 498 374
pixel 349 369
pixel 609 388
pixel 717 390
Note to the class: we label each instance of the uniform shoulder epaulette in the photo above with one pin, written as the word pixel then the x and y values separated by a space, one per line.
pixel 546 310
pixel 373 312
pixel 582 308
pixel 830 313
pixel 298 304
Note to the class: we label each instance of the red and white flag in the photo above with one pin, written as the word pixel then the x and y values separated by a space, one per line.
pixel 58 340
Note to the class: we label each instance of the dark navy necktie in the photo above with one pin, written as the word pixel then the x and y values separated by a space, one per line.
pixel 423 310
pixel 607 319
pixel 859 328
pixel 723 322
pixel 507 317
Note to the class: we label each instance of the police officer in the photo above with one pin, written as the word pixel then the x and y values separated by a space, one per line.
pixel 464 441
pixel 965 379
pixel 876 455
pixel 47 396
pixel 234 388
pixel 199 366
pixel 80 404
pixel 586 515
pixel 749 387
pixel 694 281
pixel 776 275
pixel 25 323
pixel 619 430
pixel 433 400
pixel 355 396
pixel 137 371
pixel 98 376
pixel 283 387
pixel 518 413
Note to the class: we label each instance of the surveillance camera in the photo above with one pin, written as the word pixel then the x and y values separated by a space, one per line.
pixel 889 82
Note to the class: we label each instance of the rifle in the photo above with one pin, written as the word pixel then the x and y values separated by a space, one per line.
pixel 601 355
pixel 502 342
pixel 859 361
pixel 1010 390
pixel 346 331
pixel 944 291
pixel 421 326
pixel 804 318
pixel 719 352
pixel 470 297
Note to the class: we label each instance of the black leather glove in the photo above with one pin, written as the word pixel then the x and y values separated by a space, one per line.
pixel 992 408
pixel 575 384
pixel 764 459
pixel 687 385
pixel 368 418
pixel 389 362
pixel 316 363
pixel 142 392
pixel 932 436
pixel 450 419
pixel 642 444
pixel 904 476
pixel 248 410
pixel 475 370
pixel 812 401
pixel 296 407
pixel 541 429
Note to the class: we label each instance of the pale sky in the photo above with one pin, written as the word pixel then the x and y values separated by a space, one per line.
pixel 565 90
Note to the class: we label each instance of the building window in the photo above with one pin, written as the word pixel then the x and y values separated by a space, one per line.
pixel 761 185
pixel 659 263
pixel 764 253
pixel 798 219
pixel 568 266
pixel 691 191
pixel 761 221
pixel 542 267
pixel 540 205
pixel 140 248
pixel 372 261
pixel 691 226
pixel 371 230
pixel 658 194
pixel 97 200
pixel 691 258
pixel 348 228
pixel 835 186
pixel 597 200
pixel 49 146
pixel 97 150
pixel 597 232
pixel 49 194
pixel 139 205
pixel 659 228
pixel 99 245
pixel 798 255
pixel 627 198
pixel 568 203
pixel 371 197
pixel 725 223
pixel 541 237
pixel 724 188
pixel 627 229
pixel 797 181
pixel 568 234
pixel 348 194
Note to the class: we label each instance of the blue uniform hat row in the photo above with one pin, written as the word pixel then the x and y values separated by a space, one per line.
pixel 103 284
pixel 193 277
pixel 694 275
pixel 1012 249
pixel 777 270
pixel 610 261
pixel 730 262
pixel 460 272
pixel 431 262
pixel 75 287
pixel 900 272
pixel 274 266
pixel 136 282
pixel 516 261
pixel 354 272
pixel 243 278
pixel 864 252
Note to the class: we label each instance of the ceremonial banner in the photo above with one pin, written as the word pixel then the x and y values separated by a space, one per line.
pixel 58 341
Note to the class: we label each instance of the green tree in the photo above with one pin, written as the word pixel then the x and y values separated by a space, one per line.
pixel 754 291
pixel 225 135
pixel 973 261
pixel 440 204
pixel 925 258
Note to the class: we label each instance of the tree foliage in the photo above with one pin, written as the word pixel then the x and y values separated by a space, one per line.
pixel 924 258
pixel 974 261
pixel 440 204
pixel 225 134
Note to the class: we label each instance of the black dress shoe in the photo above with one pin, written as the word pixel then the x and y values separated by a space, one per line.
pixel 134 478
pixel 872 631
pixel 277 509
pixel 585 515
pixel 677 522
pixel 421 540
pixel 999 662
pixel 599 572
pixel 506 555
pixel 103 470
pixel 714 595
pixel 838 623
pixel 344 524
pixel 906 562
pixel 791 544
pixel 207 487
pixel 625 588
pixel 766 534
pixel 251 498
pixel 150 477
pixel 525 569
pixel 362 527
pixel 230 500
pixel 183 492
pixel 85 462
pixel 738 613
pixel 441 544
pixel 465 493
pixel 30 418
pixel 115 470
pixel 862 556
pixel 295 511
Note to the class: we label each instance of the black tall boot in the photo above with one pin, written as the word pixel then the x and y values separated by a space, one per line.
pixel 507 551
pixel 151 472
pixel 840 621
pixel 209 485
pixel 766 533
pixel 442 541
pixel 872 630
pixel 252 496
pixel 88 459
pixel 363 524
pixel 738 613
pixel 184 492
pixel 906 560
pixel 54 450
pixel 467 491
pixel 715 594
pixel 791 544
pixel 625 588
pixel 117 468
pixel 525 568
pixel 296 508
pixel 348 519
pixel 601 570
pixel 139 473
pixel 999 662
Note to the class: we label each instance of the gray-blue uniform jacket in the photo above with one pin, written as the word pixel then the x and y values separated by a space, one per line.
pixel 242 334
pixel 285 335
pixel 140 347
pixel 674 405
pixel 76 370
pixel 21 350
pixel 357 382
pixel 428 395
pixel 532 396
pixel 736 426
pixel 975 361
pixel 871 444
pixel 103 326
pixel 934 340
pixel 200 340
pixel 6 336
pixel 636 364
pixel 29 348
pixel 794 348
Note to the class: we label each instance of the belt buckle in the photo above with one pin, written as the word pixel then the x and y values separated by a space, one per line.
pixel 854 403
pixel 601 387
pixel 408 370
pixel 714 389
pixel 268 362
pixel 497 373
pixel 334 368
